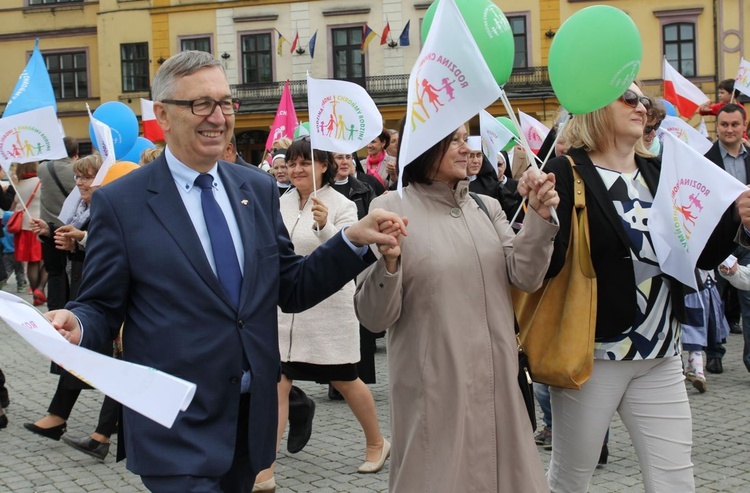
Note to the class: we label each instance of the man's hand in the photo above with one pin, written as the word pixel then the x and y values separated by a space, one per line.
pixel 367 230
pixel 66 325
pixel 743 208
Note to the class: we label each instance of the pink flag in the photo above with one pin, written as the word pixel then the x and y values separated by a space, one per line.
pixel 681 92
pixel 151 128
pixel 534 130
pixel 285 121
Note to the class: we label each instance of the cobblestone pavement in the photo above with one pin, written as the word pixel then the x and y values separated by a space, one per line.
pixel 29 463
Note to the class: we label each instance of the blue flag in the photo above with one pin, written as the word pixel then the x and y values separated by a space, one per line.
pixel 403 40
pixel 311 44
pixel 34 87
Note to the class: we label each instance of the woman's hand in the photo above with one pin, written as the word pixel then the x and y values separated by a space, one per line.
pixel 540 189
pixel 731 271
pixel 320 213
pixel 391 167
pixel 67 236
pixel 391 253
pixel 39 227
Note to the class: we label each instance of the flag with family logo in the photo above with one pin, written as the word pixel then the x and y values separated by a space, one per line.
pixel 693 195
pixel 449 84
pixel 683 131
pixel 343 117
pixel 494 136
pixel 534 130
pixel 29 129
pixel 742 81
pixel 105 144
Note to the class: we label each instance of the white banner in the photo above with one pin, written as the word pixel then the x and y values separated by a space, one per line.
pixel 683 131
pixel 742 81
pixel 494 136
pixel 534 130
pixel 154 394
pixel 30 136
pixel 692 196
pixel 103 135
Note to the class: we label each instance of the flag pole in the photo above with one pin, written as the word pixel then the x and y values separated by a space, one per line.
pixel 18 193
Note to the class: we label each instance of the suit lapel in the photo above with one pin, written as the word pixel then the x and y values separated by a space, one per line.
pixel 243 205
pixel 169 209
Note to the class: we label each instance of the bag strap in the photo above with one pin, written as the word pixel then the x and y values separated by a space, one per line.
pixel 579 190
pixel 481 204
pixel 53 174
pixel 31 197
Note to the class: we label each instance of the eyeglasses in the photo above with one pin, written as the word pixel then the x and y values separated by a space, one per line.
pixel 207 106
pixel 457 142
pixel 84 178
pixel 632 99
pixel 651 128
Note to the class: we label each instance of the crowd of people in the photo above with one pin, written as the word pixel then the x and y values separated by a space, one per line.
pixel 294 271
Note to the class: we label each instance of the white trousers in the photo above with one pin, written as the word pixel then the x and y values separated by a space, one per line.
pixel 650 397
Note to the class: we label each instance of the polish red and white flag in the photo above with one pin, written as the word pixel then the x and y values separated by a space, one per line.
pixel 151 129
pixel 681 92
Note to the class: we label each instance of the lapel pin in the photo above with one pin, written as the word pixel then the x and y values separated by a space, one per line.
pixel 244 202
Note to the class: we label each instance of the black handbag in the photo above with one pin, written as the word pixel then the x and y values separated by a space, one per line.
pixel 524 370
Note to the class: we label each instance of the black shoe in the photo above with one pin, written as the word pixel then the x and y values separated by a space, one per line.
pixel 89 446
pixel 735 328
pixel 334 394
pixel 4 401
pixel 300 425
pixel 714 365
pixel 55 432
pixel 604 455
pixel 3 421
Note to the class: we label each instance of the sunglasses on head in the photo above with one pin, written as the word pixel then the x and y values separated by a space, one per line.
pixel 632 99
pixel 650 128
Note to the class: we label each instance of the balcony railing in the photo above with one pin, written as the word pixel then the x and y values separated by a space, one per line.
pixel 384 89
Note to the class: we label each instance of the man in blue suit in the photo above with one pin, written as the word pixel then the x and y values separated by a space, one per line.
pixel 156 261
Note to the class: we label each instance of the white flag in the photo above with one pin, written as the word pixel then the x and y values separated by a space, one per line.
pixel 683 131
pixel 30 136
pixel 343 117
pixel 534 130
pixel 449 84
pixel 494 136
pixel 103 135
pixel 742 81
pixel 702 129
pixel 692 196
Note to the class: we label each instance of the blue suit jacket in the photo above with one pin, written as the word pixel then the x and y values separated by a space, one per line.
pixel 145 266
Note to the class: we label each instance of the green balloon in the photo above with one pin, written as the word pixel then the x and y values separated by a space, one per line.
pixel 302 129
pixel 491 31
pixel 508 123
pixel 594 57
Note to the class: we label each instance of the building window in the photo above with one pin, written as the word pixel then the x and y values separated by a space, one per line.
pixel 348 60
pixel 68 73
pixel 520 39
pixel 52 2
pixel 257 59
pixel 134 64
pixel 679 47
pixel 198 43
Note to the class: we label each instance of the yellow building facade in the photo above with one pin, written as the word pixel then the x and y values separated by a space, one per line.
pixel 109 50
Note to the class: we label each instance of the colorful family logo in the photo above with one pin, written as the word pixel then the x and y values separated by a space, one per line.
pixel 743 76
pixel 23 141
pixel 432 94
pixel 686 212
pixel 341 118
pixel 679 133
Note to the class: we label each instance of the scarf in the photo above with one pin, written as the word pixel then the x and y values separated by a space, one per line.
pixel 81 215
pixel 373 164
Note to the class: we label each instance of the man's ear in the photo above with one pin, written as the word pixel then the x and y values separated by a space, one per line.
pixel 160 112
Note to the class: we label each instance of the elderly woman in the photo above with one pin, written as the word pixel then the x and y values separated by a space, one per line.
pixel 279 172
pixel 637 369
pixel 458 418
pixel 322 344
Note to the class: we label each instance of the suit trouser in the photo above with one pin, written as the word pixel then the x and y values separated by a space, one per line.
pixel 650 397
pixel 239 479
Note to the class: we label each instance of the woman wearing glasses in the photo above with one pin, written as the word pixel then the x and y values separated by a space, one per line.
pixel 655 117
pixel 637 368
pixel 458 419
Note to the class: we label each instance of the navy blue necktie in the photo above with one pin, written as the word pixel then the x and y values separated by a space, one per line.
pixel 225 256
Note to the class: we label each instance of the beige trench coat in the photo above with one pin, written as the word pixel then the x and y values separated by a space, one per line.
pixel 458 420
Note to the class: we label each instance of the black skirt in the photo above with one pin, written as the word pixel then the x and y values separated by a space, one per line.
pixel 320 373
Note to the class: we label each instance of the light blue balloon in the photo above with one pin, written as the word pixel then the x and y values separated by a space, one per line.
pixel 134 156
pixel 123 123
pixel 671 110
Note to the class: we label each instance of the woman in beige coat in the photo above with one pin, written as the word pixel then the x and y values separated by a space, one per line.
pixel 458 420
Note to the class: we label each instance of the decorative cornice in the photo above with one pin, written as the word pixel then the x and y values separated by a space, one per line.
pixel 349 11
pixel 55 33
pixel 696 11
pixel 256 18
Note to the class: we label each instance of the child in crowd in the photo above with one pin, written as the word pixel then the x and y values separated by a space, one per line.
pixel 9 259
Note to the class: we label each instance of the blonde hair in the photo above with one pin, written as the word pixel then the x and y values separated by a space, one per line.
pixel 149 155
pixel 88 165
pixel 282 143
pixel 592 132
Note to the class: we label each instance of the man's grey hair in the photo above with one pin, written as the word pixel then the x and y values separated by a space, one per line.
pixel 177 66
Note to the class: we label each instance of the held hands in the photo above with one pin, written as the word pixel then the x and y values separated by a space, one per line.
pixel 320 213
pixel 391 253
pixel 67 236
pixel 367 230
pixel 66 325
pixel 39 227
pixel 540 189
